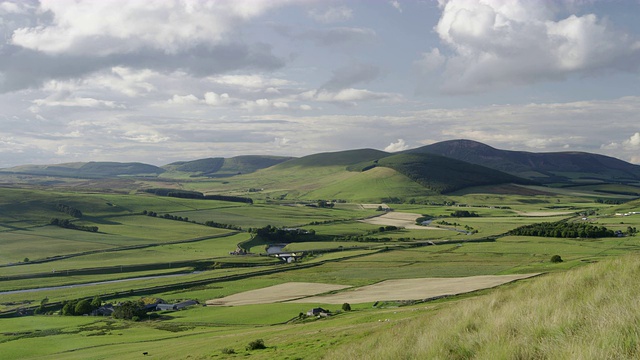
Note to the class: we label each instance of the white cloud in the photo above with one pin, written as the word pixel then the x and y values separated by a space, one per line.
pixel 213 99
pixel 113 27
pixel 399 145
pixel 331 15
pixel 250 82
pixel 77 102
pixel 349 96
pixel 183 99
pixel 496 44
pixel 127 81
pixel 633 142
pixel 396 5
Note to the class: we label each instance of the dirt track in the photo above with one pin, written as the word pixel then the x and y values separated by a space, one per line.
pixel 277 293
pixel 414 289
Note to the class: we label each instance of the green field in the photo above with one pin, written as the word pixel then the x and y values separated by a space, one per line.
pixel 134 247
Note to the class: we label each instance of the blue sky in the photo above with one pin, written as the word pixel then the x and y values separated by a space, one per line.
pixel 161 81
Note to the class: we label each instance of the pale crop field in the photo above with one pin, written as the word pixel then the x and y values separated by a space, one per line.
pixel 414 289
pixel 276 293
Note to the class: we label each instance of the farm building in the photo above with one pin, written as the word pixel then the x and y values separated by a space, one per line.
pixel 318 312
pixel 178 306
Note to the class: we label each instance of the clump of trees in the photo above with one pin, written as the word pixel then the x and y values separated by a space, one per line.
pixel 464 213
pixel 65 223
pixel 69 210
pixel 130 310
pixel 186 194
pixel 78 306
pixel 273 234
pixel 563 229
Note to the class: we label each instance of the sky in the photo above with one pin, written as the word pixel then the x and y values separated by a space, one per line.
pixel 159 81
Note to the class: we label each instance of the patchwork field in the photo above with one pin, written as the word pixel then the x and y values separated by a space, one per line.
pixel 276 293
pixel 399 219
pixel 414 289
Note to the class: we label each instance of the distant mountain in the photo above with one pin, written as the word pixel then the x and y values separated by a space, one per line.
pixel 552 167
pixel 444 175
pixel 338 158
pixel 436 173
pixel 91 169
pixel 222 167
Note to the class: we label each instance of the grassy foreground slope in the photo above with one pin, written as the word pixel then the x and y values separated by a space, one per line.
pixel 587 313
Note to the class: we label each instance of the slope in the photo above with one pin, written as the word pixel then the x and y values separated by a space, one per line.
pixel 563 167
pixel 93 169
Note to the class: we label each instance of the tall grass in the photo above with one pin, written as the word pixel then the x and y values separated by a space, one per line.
pixel 587 313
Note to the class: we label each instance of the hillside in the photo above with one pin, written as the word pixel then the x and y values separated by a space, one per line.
pixel 338 158
pixel 441 174
pixel 553 167
pixel 223 167
pixel 587 313
pixel 93 169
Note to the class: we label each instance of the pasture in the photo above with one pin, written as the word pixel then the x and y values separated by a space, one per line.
pixel 134 247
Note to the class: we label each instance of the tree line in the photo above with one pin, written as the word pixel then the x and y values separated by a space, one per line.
pixel 563 229
pixel 187 194
pixel 65 223
pixel 69 210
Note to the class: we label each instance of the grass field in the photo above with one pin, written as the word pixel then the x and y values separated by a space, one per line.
pixel 202 332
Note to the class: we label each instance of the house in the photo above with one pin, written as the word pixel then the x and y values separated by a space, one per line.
pixel 318 312
pixel 104 310
pixel 178 306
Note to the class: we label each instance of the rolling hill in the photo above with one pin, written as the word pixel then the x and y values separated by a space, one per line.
pixel 93 169
pixel 552 167
pixel 223 167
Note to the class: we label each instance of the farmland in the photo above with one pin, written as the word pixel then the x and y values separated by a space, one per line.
pixel 352 248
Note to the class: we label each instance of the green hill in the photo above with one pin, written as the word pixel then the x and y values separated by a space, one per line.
pixel 441 174
pixel 342 158
pixel 93 169
pixel 552 167
pixel 223 167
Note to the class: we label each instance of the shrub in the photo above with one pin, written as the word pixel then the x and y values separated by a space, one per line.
pixel 556 259
pixel 228 351
pixel 256 345
pixel 346 307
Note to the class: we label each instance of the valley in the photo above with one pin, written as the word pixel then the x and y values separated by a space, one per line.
pixel 411 242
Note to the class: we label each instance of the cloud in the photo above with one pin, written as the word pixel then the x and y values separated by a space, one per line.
pixel 68 39
pixel 183 99
pixel 348 76
pixel 340 36
pixel 349 96
pixel 498 44
pixel 396 5
pixel 399 145
pixel 430 61
pixel 331 15
pixel 250 82
pixel 84 27
pixel 633 142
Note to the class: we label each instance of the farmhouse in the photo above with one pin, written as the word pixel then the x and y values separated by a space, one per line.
pixel 178 306
pixel 318 312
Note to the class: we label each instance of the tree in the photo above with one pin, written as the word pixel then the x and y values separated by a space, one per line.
pixel 83 307
pixel 129 309
pixel 26 260
pixel 69 307
pixel 96 302
pixel 346 307
pixel 256 345
pixel 556 259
